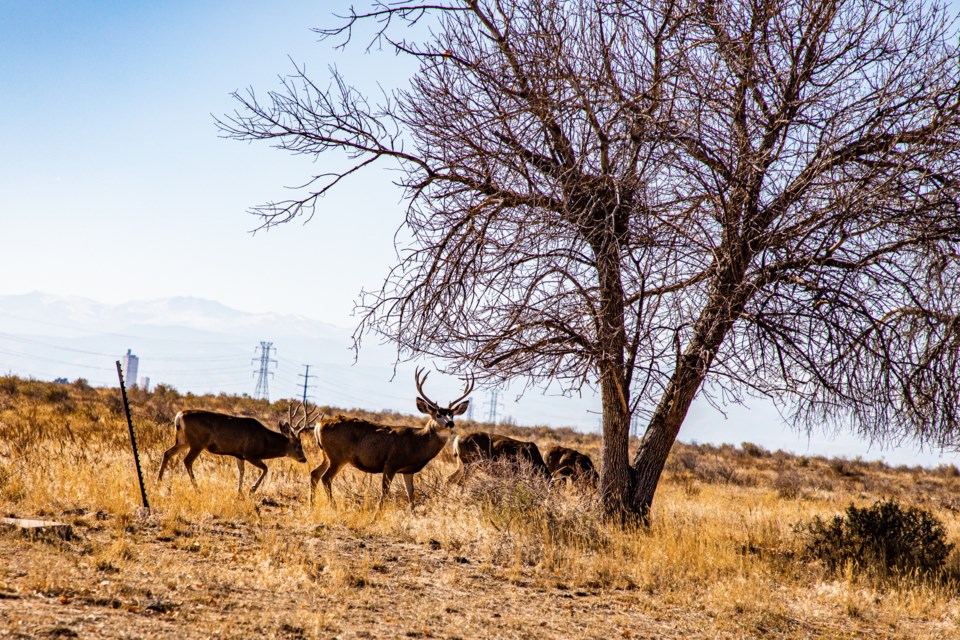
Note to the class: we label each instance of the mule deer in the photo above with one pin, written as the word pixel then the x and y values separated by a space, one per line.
pixel 480 447
pixel 564 462
pixel 243 438
pixel 385 449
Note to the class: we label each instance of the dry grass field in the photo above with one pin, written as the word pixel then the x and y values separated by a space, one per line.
pixel 500 557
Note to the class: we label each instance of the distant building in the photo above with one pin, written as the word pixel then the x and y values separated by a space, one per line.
pixel 145 383
pixel 129 363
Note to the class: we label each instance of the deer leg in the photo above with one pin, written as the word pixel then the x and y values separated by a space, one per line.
pixel 259 464
pixel 188 463
pixel 327 480
pixel 408 485
pixel 385 487
pixel 317 474
pixel 240 468
pixel 459 475
pixel 169 453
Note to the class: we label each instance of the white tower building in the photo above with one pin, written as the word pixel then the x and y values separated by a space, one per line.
pixel 130 363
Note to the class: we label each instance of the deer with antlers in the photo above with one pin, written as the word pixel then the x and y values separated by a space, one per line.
pixel 246 439
pixel 385 449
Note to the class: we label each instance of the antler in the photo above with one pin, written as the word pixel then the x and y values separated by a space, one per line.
pixel 306 421
pixel 290 413
pixel 419 381
pixel 470 382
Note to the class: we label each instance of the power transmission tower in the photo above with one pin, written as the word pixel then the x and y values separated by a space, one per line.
pixel 494 404
pixel 263 390
pixel 306 383
pixel 634 426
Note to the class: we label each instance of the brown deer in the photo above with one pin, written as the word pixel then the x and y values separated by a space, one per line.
pixel 564 462
pixel 481 447
pixel 385 449
pixel 243 438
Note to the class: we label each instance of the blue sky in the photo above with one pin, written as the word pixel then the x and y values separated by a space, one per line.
pixel 115 186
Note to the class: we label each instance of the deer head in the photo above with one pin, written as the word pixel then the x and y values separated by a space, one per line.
pixel 294 426
pixel 443 417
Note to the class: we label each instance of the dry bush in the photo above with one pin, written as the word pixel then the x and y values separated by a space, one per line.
pixel 880 540
pixel 790 484
pixel 712 468
pixel 518 500
pixel 754 450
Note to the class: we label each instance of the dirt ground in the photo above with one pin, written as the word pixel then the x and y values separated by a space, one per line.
pixel 145 579
pixel 172 589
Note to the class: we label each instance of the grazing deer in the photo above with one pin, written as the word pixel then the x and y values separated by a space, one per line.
pixel 243 438
pixel 380 448
pixel 564 462
pixel 480 447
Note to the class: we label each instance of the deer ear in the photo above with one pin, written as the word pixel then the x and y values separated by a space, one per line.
pixel 460 408
pixel 424 406
pixel 285 429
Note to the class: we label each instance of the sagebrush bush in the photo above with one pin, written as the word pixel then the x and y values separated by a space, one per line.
pixel 754 450
pixel 519 500
pixel 880 539
pixel 789 484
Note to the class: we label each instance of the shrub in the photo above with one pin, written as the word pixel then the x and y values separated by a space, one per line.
pixel 56 395
pixel 845 468
pixel 517 501
pixel 948 471
pixel 754 450
pixel 789 484
pixel 9 385
pixel 880 539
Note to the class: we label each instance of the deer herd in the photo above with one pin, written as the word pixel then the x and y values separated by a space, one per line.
pixel 368 446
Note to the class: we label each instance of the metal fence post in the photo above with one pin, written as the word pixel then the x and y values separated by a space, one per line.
pixel 133 439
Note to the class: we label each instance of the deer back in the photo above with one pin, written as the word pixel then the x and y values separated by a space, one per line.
pixel 481 446
pixel 371 447
pixel 225 434
pixel 565 462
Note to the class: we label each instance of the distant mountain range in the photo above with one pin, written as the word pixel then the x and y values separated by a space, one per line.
pixel 40 313
pixel 201 346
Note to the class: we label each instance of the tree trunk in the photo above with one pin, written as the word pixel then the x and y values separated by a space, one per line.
pixel 710 330
pixel 659 438
pixel 614 385
pixel 615 472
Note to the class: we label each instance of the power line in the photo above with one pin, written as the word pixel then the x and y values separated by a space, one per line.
pixel 306 382
pixel 50 345
pixel 262 390
pixel 494 405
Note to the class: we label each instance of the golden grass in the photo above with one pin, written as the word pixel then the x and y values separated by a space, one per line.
pixel 500 556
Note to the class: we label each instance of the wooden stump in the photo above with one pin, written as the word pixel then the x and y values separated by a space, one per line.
pixel 35 529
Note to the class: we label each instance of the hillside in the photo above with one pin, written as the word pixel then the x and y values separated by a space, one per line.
pixel 504 556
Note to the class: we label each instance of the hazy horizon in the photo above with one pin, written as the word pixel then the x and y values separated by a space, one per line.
pixel 198 345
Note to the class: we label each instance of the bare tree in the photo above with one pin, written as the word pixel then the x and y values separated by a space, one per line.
pixel 666 199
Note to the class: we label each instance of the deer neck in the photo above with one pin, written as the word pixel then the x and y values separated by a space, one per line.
pixel 276 446
pixel 435 431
